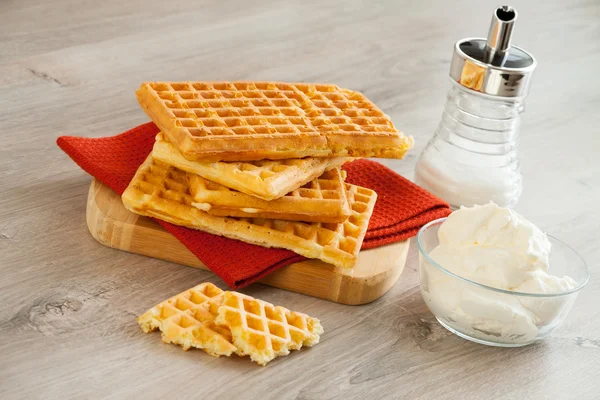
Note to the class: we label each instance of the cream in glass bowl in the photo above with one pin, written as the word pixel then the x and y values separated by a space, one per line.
pixel 492 277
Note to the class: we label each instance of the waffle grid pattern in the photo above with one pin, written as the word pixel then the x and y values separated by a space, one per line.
pixel 264 331
pixel 243 108
pixel 336 240
pixel 182 320
pixel 321 200
pixel 165 182
pixel 326 187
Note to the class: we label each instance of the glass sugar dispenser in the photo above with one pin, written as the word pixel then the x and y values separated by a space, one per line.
pixel 472 159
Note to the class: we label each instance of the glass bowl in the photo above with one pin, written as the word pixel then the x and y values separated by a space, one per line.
pixel 493 316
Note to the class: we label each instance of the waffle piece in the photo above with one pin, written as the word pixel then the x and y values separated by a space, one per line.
pixel 182 321
pixel 162 191
pixel 321 200
pixel 266 179
pixel 241 121
pixel 261 330
pixel 222 323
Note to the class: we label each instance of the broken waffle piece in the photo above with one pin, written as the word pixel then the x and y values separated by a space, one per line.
pixel 223 323
pixel 182 321
pixel 264 331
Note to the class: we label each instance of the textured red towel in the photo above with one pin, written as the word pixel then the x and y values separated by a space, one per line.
pixel 401 208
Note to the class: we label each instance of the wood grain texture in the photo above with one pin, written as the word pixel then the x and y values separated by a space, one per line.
pixel 375 272
pixel 70 67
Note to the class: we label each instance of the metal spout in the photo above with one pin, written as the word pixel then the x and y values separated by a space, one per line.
pixel 499 35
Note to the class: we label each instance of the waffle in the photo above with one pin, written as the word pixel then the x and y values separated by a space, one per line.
pixel 266 179
pixel 162 191
pixel 223 323
pixel 182 321
pixel 321 200
pixel 241 121
pixel 261 330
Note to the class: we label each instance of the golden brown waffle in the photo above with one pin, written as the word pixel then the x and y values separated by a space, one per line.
pixel 241 121
pixel 261 330
pixel 321 200
pixel 162 191
pixel 222 323
pixel 182 321
pixel 266 179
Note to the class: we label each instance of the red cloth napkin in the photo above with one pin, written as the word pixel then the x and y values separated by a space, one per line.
pixel 401 209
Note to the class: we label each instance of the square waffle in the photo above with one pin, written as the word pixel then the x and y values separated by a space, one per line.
pixel 261 330
pixel 241 121
pixel 182 321
pixel 162 191
pixel 321 200
pixel 266 179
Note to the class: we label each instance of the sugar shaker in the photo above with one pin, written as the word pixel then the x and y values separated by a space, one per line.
pixel 472 158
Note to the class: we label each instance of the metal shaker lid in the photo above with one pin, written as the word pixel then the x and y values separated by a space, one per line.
pixel 493 66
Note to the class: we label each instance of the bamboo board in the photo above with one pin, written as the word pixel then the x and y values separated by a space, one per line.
pixel 374 274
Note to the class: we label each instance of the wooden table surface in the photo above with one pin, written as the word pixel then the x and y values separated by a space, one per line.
pixel 68 304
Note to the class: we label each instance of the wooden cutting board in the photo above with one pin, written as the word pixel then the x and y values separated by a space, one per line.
pixel 374 274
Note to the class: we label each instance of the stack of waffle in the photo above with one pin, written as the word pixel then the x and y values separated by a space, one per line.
pixel 260 162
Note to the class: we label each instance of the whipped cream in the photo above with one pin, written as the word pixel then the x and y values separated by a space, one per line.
pixel 496 247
